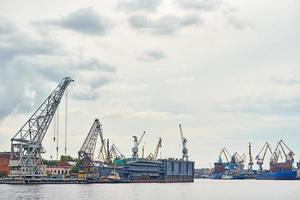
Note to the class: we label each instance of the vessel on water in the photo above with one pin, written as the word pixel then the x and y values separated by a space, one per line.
pixel 279 170
pixel 114 177
pixel 280 175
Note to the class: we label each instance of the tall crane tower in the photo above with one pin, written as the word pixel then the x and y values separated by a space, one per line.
pixel 153 156
pixel 86 152
pixel 103 152
pixel 226 154
pixel 287 152
pixel 260 158
pixel 250 164
pixel 183 142
pixel 26 145
pixel 115 152
pixel 136 143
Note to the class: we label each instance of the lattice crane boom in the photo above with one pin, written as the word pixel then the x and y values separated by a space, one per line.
pixel 225 153
pixel 116 152
pixel 153 156
pixel 260 159
pixel 26 145
pixel 89 144
pixel 287 152
pixel 87 150
pixel 103 152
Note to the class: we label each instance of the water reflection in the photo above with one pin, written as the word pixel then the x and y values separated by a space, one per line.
pixel 200 190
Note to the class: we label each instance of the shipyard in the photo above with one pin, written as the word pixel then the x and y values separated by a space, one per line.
pixel 25 165
pixel 149 100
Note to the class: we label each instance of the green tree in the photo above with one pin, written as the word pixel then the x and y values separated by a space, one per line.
pixel 66 158
pixel 76 168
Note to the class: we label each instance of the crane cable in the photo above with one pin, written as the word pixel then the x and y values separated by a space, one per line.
pixel 57 133
pixel 66 121
pixel 54 134
pixel 56 128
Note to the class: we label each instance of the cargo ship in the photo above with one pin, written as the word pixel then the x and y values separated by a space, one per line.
pixel 280 175
pixel 278 171
pixel 229 169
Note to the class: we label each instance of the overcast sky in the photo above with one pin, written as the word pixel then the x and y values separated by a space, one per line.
pixel 228 70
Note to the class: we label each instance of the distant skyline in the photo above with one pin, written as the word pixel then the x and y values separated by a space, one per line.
pixel 227 70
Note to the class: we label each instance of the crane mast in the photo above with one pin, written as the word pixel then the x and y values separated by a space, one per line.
pixel 103 152
pixel 153 156
pixel 157 148
pixel 287 152
pixel 183 141
pixel 250 164
pixel 26 145
pixel 86 152
pixel 260 159
pixel 226 155
pixel 114 151
pixel 136 143
pixel 240 159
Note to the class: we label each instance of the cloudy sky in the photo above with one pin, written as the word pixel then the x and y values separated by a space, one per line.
pixel 228 70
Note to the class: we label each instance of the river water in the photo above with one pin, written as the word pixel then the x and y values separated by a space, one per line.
pixel 199 190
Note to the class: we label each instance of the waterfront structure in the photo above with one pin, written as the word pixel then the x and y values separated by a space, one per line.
pixel 61 170
pixel 4 161
pixel 26 145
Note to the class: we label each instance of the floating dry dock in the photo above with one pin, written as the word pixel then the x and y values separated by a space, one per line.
pixel 160 171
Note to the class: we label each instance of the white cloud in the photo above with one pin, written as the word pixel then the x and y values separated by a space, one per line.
pixel 166 25
pixel 195 70
pixel 86 21
pixel 200 5
pixel 139 5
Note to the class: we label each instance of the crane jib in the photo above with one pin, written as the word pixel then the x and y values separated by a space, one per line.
pixel 27 161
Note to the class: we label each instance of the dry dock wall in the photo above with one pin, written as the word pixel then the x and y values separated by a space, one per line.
pixel 164 170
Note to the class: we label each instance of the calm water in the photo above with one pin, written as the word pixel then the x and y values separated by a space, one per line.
pixel 200 190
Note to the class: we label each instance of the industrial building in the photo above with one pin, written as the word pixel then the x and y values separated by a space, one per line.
pixel 4 161
pixel 61 170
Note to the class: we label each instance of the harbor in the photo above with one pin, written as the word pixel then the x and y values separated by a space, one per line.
pixel 279 164
pixel 149 99
pixel 25 165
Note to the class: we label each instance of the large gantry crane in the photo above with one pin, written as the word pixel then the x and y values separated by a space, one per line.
pixel 183 142
pixel 260 158
pixel 86 152
pixel 136 143
pixel 26 145
pixel 153 156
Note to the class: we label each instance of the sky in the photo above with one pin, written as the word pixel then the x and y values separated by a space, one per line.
pixel 227 70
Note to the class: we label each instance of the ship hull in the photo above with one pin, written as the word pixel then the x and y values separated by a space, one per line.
pixel 280 175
